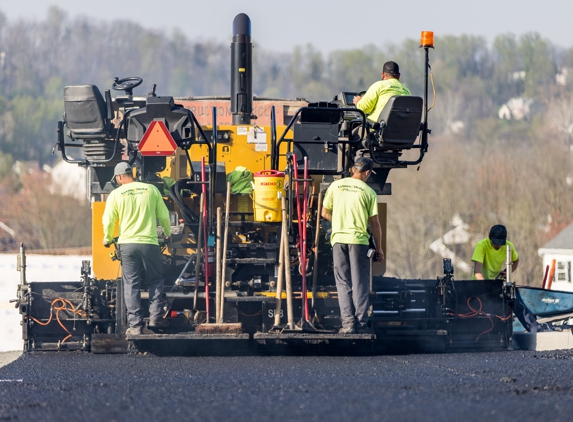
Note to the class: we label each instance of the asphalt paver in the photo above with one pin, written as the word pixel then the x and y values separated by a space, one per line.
pixel 501 386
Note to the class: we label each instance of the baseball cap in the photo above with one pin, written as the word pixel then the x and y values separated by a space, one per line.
pixel 498 235
pixel 122 168
pixel 391 68
pixel 363 164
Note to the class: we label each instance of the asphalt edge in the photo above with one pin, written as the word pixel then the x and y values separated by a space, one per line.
pixel 8 357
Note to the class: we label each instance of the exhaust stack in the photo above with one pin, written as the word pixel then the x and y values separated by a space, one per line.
pixel 241 71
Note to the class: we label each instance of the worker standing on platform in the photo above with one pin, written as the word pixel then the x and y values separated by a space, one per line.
pixel 138 206
pixel 351 205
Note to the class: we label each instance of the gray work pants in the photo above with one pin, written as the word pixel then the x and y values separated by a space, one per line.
pixel 139 263
pixel 352 275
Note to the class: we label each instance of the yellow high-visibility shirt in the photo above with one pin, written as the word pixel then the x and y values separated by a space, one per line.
pixel 352 203
pixel 378 95
pixel 492 259
pixel 138 206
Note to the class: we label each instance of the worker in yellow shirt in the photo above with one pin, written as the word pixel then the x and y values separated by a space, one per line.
pixel 138 206
pixel 490 255
pixel 380 92
pixel 351 205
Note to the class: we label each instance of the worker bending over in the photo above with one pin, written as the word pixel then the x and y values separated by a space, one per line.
pixel 488 257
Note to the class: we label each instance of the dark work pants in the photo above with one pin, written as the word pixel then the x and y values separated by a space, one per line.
pixel 141 262
pixel 352 275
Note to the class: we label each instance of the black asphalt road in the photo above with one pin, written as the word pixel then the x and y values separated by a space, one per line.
pixel 502 386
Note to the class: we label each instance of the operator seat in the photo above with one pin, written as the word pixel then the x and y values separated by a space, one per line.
pixel 399 122
pixel 86 113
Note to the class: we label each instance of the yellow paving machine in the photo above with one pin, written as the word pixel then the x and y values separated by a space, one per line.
pixel 249 262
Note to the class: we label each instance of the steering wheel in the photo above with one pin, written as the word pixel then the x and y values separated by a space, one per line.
pixel 126 84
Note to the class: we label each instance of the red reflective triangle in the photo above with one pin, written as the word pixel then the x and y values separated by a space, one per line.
pixel 157 140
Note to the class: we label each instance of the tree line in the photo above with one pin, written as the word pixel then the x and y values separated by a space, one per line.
pixel 485 169
pixel 38 58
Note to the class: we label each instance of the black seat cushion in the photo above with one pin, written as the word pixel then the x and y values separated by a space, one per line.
pixel 400 121
pixel 85 110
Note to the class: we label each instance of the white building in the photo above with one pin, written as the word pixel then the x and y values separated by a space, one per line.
pixel 560 249
pixel 69 179
pixel 516 109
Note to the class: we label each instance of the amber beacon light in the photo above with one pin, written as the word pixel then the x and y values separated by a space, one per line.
pixel 427 39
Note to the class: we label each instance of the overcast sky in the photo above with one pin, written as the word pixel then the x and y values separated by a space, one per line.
pixel 326 24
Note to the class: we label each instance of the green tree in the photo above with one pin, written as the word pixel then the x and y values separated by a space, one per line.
pixel 507 78
pixel 34 122
pixel 6 163
pixel 352 70
pixel 538 63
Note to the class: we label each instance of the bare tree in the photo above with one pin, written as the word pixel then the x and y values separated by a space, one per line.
pixel 43 220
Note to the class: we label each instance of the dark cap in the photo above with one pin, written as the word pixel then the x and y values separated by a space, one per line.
pixel 363 164
pixel 391 68
pixel 122 168
pixel 498 235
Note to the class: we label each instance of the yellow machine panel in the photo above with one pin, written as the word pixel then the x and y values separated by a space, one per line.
pixel 104 268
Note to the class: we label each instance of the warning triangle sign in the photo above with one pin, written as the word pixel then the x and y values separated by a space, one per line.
pixel 157 141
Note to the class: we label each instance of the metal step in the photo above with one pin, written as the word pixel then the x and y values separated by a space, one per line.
pixel 310 337
pixel 188 336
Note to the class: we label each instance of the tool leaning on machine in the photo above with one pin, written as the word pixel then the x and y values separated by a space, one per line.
pixel 256 276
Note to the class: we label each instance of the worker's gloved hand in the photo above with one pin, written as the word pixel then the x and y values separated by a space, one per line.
pixel 502 275
pixel 105 243
pixel 167 240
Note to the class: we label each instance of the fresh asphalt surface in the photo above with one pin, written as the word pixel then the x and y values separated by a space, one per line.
pixel 500 386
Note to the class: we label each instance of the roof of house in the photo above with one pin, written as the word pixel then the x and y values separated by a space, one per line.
pixel 564 240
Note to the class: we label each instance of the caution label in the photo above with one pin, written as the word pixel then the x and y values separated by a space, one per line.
pixel 157 141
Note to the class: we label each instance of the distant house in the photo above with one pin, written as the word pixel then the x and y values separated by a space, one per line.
pixel 458 235
pixel 560 249
pixel 517 109
pixel 68 180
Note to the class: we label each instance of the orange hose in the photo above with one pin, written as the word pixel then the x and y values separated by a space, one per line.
pixel 476 312
pixel 62 307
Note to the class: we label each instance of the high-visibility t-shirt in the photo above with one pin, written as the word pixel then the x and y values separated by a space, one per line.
pixel 352 203
pixel 138 206
pixel 378 95
pixel 492 260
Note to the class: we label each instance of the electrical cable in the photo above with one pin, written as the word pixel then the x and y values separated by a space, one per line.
pixel 475 312
pixel 433 86
pixel 58 309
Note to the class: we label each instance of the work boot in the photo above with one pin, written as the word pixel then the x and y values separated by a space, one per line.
pixel 364 329
pixel 133 331
pixel 347 330
pixel 158 323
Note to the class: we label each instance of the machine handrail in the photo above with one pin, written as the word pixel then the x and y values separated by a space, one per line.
pixel 206 140
pixel 212 172
pixel 273 137
pixel 275 159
